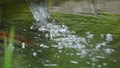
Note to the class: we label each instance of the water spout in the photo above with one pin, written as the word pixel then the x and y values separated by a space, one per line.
pixel 40 11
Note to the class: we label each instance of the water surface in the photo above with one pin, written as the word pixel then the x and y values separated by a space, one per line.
pixel 64 40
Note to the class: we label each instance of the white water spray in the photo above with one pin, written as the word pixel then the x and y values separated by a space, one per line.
pixel 68 39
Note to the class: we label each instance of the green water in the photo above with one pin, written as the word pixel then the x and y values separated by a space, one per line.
pixel 35 56
pixel 39 57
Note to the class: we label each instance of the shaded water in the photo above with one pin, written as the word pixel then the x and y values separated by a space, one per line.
pixel 56 46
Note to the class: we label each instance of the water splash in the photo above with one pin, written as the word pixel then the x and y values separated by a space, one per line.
pixel 83 46
pixel 68 39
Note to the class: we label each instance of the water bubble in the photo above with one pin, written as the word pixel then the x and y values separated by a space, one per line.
pixel 102 35
pixel 74 62
pixel 60 51
pixel 29 65
pixel 50 65
pixel 44 46
pixel 100 57
pixel 87 33
pixel 39 50
pixel 99 66
pixel 93 64
pixel 90 36
pixel 83 53
pixel 114 60
pixel 104 44
pixel 32 49
pixel 109 38
pixel 105 64
pixel 93 59
pixel 34 54
pixel 109 51
pixel 98 46
pixel 47 35
pixel 23 45
pixel 31 27
pixel 88 62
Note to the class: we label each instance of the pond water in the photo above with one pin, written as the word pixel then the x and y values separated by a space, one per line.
pixel 46 39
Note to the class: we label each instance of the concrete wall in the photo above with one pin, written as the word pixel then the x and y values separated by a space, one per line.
pixel 85 6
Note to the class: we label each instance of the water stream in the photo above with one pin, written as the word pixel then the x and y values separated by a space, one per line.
pixel 40 12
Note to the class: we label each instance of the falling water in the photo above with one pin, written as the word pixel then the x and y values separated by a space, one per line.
pixel 68 39
pixel 40 12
